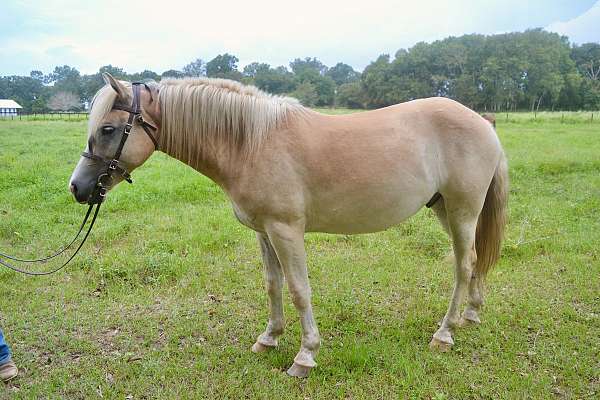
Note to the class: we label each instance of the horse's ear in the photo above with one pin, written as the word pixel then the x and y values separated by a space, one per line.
pixel 115 84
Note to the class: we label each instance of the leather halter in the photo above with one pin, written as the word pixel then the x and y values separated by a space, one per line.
pixel 113 165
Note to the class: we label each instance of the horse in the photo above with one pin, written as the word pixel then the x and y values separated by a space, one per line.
pixel 490 117
pixel 288 170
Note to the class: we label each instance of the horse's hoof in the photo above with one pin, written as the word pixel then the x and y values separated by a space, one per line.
pixel 469 317
pixel 298 371
pixel 438 345
pixel 261 348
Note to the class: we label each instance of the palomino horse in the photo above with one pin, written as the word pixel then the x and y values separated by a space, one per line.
pixel 289 170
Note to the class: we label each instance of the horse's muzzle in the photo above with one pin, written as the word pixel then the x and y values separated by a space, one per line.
pixel 83 192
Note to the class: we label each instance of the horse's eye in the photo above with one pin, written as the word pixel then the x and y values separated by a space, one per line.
pixel 107 130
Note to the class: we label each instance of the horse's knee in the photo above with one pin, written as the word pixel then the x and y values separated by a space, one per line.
pixel 274 286
pixel 300 296
pixel 466 265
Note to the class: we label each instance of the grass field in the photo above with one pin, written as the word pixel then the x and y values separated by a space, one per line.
pixel 167 296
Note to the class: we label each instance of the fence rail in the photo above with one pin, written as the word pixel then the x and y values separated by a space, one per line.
pixel 61 115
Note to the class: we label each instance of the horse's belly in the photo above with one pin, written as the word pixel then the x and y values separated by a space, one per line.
pixel 364 212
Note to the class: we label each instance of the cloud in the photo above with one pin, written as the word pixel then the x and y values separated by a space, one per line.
pixel 581 29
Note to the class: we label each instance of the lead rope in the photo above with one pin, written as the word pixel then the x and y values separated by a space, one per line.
pixel 58 253
pixel 35 273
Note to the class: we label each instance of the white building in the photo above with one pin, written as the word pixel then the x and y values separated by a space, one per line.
pixel 9 108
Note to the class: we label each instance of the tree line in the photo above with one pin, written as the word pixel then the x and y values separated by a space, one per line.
pixel 528 70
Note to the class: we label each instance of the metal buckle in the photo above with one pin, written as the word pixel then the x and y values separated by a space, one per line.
pixel 128 127
pixel 113 165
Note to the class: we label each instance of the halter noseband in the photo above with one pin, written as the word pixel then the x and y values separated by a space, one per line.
pixel 113 165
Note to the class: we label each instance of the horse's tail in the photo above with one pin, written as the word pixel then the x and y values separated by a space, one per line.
pixel 492 220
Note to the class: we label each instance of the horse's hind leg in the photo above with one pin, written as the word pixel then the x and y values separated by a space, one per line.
pixel 462 223
pixel 475 297
pixel 274 284
pixel 475 301
pixel 439 208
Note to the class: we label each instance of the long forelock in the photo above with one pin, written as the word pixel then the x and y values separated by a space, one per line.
pixel 201 112
pixel 101 105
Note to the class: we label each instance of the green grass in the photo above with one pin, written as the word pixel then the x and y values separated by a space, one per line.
pixel 563 117
pixel 167 296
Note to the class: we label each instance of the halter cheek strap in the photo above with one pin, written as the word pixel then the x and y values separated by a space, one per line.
pixel 112 165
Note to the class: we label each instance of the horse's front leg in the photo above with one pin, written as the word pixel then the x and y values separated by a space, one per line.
pixel 274 284
pixel 288 242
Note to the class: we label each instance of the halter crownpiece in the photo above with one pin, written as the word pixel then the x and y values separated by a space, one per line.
pixel 112 165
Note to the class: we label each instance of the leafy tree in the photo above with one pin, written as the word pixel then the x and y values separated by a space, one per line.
pixel 145 75
pixel 306 93
pixel 90 84
pixel 543 76
pixel 66 79
pixel 256 68
pixel 325 90
pixel 591 94
pixel 312 71
pixel 587 60
pixel 324 85
pixel 530 69
pixel 37 75
pixel 299 66
pixel 351 95
pixel 195 68
pixel 275 80
pixel 380 83
pixel 22 89
pixel 223 66
pixel 64 73
pixel 342 73
pixel 116 72
pixel 38 105
pixel 172 73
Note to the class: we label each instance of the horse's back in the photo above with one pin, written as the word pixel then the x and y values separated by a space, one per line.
pixel 367 171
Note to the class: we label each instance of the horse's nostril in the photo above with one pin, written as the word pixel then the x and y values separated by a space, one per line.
pixel 73 188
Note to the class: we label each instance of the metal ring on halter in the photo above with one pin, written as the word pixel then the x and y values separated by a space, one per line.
pixel 104 183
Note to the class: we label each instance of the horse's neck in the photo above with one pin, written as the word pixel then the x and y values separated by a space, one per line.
pixel 216 165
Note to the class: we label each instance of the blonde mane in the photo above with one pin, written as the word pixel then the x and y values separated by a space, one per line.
pixel 217 115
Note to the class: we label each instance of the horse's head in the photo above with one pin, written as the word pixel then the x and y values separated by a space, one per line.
pixel 115 148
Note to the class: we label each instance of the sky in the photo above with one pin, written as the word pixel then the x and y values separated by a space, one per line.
pixel 162 35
